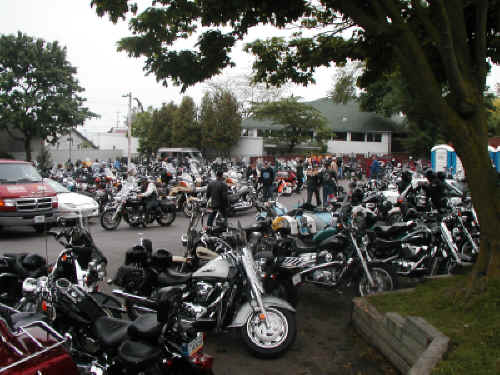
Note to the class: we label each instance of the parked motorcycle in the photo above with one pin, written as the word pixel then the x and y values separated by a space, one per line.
pixel 129 206
pixel 229 292
pixel 338 261
pixel 154 343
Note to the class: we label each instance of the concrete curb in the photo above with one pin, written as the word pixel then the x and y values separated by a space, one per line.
pixel 412 345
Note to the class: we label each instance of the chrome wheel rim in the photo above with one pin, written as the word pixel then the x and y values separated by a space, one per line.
pixel 264 337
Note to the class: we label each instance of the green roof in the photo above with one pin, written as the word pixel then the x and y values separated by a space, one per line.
pixel 340 117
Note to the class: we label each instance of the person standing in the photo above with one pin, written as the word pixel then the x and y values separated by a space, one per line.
pixel 375 168
pixel 339 167
pixel 329 179
pixel 267 177
pixel 313 184
pixel 300 175
pixel 217 192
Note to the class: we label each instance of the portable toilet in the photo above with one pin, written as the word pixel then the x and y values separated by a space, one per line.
pixel 443 159
pixel 497 159
pixel 493 155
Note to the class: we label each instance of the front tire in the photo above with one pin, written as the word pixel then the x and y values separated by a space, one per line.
pixel 167 216
pixel 382 277
pixel 273 342
pixel 107 221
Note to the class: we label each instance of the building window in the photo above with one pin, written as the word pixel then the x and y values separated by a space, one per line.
pixel 263 132
pixel 373 137
pixel 340 136
pixel 357 137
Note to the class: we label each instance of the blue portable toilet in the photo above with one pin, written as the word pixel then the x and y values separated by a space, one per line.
pixel 444 158
pixel 497 159
pixel 493 155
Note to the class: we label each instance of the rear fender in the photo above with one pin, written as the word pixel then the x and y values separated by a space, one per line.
pixel 247 308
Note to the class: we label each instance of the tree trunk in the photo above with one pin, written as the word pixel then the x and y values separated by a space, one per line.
pixel 27 147
pixel 483 183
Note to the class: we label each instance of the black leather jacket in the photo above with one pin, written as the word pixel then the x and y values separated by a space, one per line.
pixel 217 190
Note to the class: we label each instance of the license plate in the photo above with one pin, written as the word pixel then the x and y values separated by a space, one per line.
pixel 39 219
pixel 194 346
pixel 296 279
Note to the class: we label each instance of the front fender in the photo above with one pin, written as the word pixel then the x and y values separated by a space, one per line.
pixel 247 308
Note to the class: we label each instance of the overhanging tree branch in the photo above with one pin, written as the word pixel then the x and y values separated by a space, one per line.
pixel 450 63
pixel 480 42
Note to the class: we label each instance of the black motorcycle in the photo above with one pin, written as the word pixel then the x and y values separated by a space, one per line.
pixel 337 262
pixel 154 343
pixel 130 207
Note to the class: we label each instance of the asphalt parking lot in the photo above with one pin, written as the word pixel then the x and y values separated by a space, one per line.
pixel 326 342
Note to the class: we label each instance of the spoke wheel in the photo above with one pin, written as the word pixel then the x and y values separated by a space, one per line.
pixel 383 281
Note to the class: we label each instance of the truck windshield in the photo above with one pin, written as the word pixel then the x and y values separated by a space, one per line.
pixel 18 172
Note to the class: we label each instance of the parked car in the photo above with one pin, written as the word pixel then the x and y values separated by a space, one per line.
pixel 72 205
pixel 25 199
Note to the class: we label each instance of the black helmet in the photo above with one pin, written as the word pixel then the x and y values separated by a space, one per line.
pixel 441 175
pixel 429 174
pixel 162 258
pixel 32 262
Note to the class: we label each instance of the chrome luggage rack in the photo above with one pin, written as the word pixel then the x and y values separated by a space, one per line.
pixel 23 331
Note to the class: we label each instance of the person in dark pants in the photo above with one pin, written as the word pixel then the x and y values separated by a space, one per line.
pixel 149 195
pixel 329 183
pixel 300 175
pixel 313 184
pixel 217 194
pixel 267 177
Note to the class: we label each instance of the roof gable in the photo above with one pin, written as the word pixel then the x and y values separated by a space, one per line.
pixel 340 117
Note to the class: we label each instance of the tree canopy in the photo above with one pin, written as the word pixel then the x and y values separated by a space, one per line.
pixel 295 123
pixel 220 122
pixel 214 126
pixel 39 94
pixel 441 47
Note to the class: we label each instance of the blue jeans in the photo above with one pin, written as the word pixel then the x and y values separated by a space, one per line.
pixel 267 191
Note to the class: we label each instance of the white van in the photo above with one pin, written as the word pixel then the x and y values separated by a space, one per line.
pixel 179 153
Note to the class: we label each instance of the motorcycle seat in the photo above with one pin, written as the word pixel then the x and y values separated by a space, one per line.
pixel 391 230
pixel 145 327
pixel 171 277
pixel 111 331
pixel 138 354
pixel 303 247
pixel 257 227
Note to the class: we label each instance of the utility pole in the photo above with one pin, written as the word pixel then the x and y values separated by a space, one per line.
pixel 129 126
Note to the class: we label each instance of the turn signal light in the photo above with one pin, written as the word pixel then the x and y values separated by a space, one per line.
pixel 54 202
pixel 7 205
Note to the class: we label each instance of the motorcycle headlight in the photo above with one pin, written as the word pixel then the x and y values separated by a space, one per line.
pixel 29 285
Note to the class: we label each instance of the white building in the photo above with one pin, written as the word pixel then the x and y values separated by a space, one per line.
pixel 356 132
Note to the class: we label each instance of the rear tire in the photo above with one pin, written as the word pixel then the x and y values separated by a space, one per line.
pixel 167 216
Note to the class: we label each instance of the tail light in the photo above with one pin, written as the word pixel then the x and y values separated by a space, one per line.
pixel 55 204
pixel 202 360
pixel 7 205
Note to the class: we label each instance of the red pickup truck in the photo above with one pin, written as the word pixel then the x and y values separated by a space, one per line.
pixel 24 198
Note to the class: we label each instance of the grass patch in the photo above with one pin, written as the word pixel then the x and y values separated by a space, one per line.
pixel 473 327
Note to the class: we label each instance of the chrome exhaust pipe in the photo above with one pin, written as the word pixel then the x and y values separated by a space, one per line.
pixel 122 294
